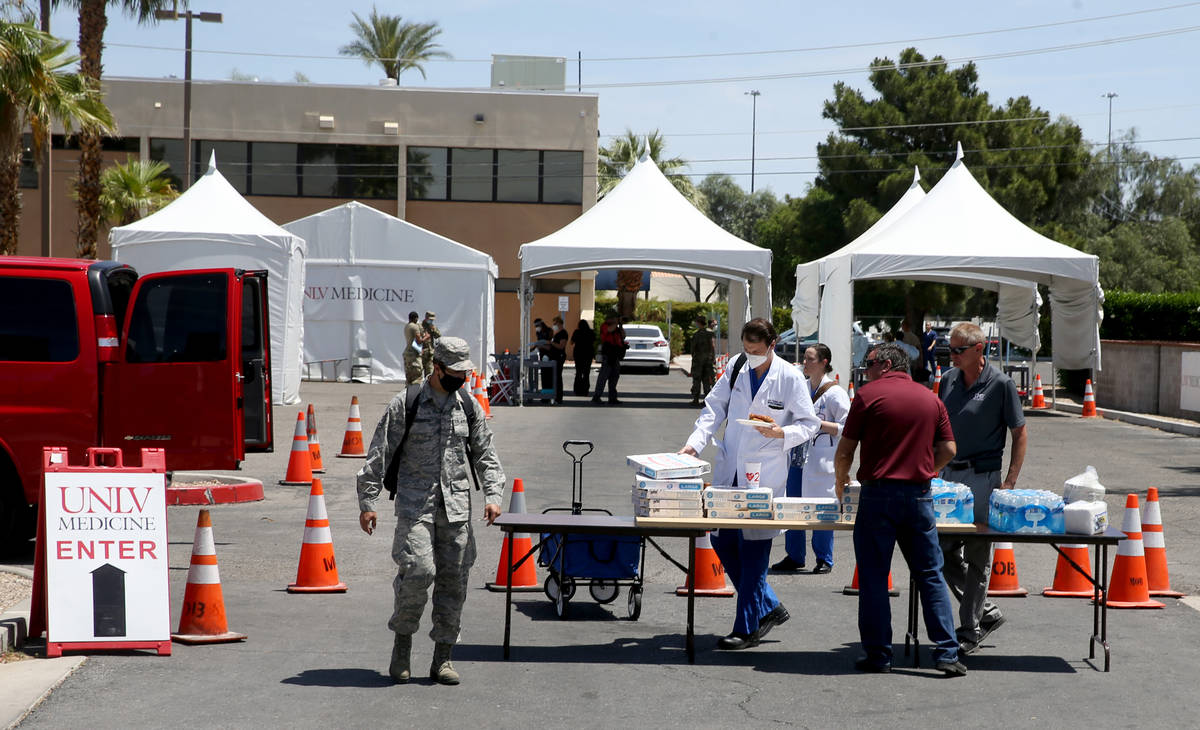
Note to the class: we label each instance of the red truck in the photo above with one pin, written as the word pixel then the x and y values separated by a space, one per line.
pixel 91 354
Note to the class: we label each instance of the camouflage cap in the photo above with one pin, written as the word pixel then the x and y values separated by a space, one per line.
pixel 453 353
pixel 431 315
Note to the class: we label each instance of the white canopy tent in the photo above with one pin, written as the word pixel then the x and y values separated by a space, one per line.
pixel 958 234
pixel 212 226
pixel 644 223
pixel 366 270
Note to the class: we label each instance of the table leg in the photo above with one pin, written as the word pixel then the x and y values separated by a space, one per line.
pixel 691 634
pixel 911 630
pixel 508 595
pixel 1104 609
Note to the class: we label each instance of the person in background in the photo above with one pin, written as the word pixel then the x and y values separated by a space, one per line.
pixel 909 337
pixel 905 434
pixel 929 348
pixel 432 333
pixel 414 340
pixel 612 351
pixel 984 408
pixel 558 353
pixel 583 351
pixel 815 477
pixel 913 354
pixel 703 357
pixel 774 392
pixel 541 345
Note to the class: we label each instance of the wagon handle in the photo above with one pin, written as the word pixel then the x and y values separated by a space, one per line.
pixel 575 442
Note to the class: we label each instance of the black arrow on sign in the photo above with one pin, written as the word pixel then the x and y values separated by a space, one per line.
pixel 108 601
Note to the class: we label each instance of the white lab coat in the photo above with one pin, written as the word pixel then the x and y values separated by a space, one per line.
pixel 833 405
pixel 783 395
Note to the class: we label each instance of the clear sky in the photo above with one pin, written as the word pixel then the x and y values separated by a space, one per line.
pixel 709 123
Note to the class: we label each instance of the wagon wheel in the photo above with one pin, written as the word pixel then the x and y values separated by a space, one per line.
pixel 604 591
pixel 635 603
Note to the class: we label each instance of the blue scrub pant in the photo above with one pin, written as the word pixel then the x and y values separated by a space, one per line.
pixel 795 541
pixel 900 513
pixel 746 563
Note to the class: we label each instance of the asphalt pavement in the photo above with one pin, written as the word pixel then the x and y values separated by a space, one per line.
pixel 321 660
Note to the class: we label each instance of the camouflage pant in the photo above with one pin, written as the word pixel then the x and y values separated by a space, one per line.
pixel 412 367
pixel 427 360
pixel 431 552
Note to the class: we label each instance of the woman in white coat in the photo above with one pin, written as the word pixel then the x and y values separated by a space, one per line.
pixel 832 405
pixel 766 386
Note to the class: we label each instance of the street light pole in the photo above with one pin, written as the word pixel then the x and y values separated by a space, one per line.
pixel 44 178
pixel 753 94
pixel 1110 96
pixel 174 14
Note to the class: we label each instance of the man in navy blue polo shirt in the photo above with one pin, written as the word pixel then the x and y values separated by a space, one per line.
pixel 906 437
pixel 984 408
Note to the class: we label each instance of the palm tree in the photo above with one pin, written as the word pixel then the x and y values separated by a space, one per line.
pixel 34 90
pixel 394 44
pixel 92 22
pixel 134 190
pixel 618 158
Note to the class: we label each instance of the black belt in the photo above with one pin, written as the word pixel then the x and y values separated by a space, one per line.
pixel 963 464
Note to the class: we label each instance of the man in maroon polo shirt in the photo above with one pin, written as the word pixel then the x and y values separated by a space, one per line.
pixel 906 438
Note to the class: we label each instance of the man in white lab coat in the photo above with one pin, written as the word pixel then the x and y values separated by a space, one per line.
pixel 756 383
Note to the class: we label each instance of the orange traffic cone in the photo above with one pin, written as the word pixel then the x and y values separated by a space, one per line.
pixel 850 390
pixel 937 379
pixel 478 392
pixel 852 589
pixel 314 442
pixel 1127 588
pixel 1039 396
pixel 318 568
pixel 352 443
pixel 299 469
pixel 524 575
pixel 1004 581
pixel 710 580
pixel 837 378
pixel 1089 401
pixel 202 620
pixel 1156 549
pixel 1068 582
pixel 487 399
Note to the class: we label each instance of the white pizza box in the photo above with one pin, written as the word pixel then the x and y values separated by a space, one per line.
pixel 641 482
pixel 737 504
pixel 728 514
pixel 808 516
pixel 667 503
pixel 667 496
pixel 668 465
pixel 668 511
pixel 807 504
pixel 737 494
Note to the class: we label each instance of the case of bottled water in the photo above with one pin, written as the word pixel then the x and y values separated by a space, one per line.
pixel 952 502
pixel 1026 511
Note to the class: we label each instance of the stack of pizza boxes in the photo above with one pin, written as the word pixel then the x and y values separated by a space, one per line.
pixel 668 485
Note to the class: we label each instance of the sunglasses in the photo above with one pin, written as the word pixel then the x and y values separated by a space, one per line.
pixel 961 349
pixel 872 362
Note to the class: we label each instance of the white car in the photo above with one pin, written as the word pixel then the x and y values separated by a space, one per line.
pixel 647 346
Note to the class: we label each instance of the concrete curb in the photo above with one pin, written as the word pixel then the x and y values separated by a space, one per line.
pixel 1138 419
pixel 14 622
pixel 229 490
pixel 28 683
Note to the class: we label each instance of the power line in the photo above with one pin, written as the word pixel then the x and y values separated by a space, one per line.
pixel 693 56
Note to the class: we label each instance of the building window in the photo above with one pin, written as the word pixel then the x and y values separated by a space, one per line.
pixel 169 151
pixel 318 171
pixel 562 176
pixel 233 160
pixel 367 171
pixel 426 173
pixel 471 173
pixel 28 177
pixel 517 174
pixel 274 169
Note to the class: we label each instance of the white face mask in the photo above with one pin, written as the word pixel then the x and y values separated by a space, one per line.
pixel 755 361
pixel 557 328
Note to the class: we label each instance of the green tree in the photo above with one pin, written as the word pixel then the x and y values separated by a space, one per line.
pixel 797 232
pixel 616 159
pixel 732 208
pixel 134 190
pixel 1148 256
pixel 35 90
pixel 393 43
pixel 93 21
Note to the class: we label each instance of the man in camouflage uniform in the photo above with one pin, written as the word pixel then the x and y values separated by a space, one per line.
pixel 703 354
pixel 433 542
pixel 432 333
pixel 413 333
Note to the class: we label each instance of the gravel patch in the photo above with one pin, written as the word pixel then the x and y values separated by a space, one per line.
pixel 13 590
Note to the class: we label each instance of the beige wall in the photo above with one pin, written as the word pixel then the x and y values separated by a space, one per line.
pixel 1143 377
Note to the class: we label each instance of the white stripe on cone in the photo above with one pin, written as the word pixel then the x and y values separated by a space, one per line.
pixel 317 535
pixel 316 507
pixel 204 544
pixel 1131 525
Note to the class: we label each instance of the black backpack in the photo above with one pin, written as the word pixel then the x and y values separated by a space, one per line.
pixel 411 393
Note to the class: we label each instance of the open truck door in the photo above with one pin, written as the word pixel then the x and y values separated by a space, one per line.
pixel 190 342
